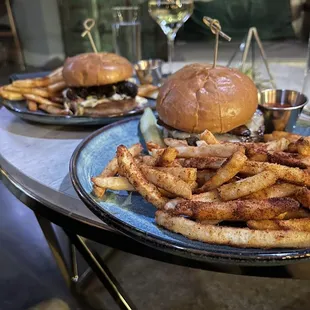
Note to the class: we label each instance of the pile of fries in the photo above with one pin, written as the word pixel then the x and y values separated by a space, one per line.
pixel 238 194
pixel 40 93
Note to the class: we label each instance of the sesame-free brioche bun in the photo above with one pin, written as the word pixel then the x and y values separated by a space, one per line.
pixel 91 69
pixel 200 97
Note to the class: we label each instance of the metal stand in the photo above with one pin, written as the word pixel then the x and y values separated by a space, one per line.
pixel 71 275
pixel 102 271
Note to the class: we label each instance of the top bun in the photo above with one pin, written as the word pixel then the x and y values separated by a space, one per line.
pixel 200 97
pixel 92 69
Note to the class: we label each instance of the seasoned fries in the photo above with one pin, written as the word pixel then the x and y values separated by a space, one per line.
pixel 261 187
pixel 240 237
pixel 247 186
pixel 294 224
pixel 131 171
pixel 241 210
pixel 167 158
pixel 112 168
pixel 303 196
pixel 225 172
pixel 167 181
pixel 114 183
pixel 208 137
pixel 291 175
pixel 275 191
pixel 185 174
pixel 215 150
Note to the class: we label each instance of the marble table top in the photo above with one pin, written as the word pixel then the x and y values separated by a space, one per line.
pixel 42 152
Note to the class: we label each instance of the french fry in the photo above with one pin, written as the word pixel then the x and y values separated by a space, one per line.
pixel 293 224
pixel 10 95
pixel 208 137
pixel 205 197
pixel 303 146
pixel 226 172
pixel 166 193
pixel 149 160
pixel 202 163
pixel 201 143
pixel 38 82
pixel 131 171
pixel 214 150
pixel 167 157
pixel 57 71
pixel 185 174
pixel 287 159
pixel 167 181
pixel 240 237
pixel 22 90
pixel 277 145
pixel 237 210
pixel 32 106
pixel 56 87
pixel 276 190
pixel 113 183
pixel 41 100
pixel 207 222
pixel 257 155
pixel 287 135
pixel 112 168
pixel 303 196
pixel 247 186
pixel 175 142
pixel 204 175
pixel 52 109
pixel 288 174
pixel 298 214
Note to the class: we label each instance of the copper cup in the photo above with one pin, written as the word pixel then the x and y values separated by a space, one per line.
pixel 281 108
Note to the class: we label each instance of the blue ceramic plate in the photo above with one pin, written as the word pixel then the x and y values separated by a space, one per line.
pixel 132 215
pixel 19 109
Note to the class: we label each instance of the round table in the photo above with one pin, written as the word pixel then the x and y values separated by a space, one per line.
pixel 34 164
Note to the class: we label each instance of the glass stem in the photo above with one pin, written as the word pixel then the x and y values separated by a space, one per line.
pixel 170 52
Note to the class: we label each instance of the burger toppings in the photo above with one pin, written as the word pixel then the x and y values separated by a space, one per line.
pixel 252 131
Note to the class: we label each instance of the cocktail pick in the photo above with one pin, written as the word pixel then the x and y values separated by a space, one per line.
pixel 215 28
pixel 88 24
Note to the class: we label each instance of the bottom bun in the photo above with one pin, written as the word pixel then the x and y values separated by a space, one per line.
pixel 109 108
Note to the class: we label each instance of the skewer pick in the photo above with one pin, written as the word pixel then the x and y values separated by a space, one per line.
pixel 215 28
pixel 88 24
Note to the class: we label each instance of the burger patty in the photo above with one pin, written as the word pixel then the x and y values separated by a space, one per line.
pixel 123 88
pixel 252 131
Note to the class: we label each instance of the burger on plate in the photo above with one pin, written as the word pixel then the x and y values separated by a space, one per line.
pixel 199 97
pixel 99 85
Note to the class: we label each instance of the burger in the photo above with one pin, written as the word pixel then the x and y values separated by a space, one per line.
pixel 99 85
pixel 200 97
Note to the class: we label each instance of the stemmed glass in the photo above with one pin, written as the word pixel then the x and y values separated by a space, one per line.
pixel 170 15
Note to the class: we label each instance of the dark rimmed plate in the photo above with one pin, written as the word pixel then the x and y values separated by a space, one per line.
pixel 133 216
pixel 19 109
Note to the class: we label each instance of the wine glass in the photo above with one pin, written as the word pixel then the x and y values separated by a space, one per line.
pixel 170 15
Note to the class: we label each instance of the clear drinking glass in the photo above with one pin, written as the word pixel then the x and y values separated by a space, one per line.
pixel 126 32
pixel 170 15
